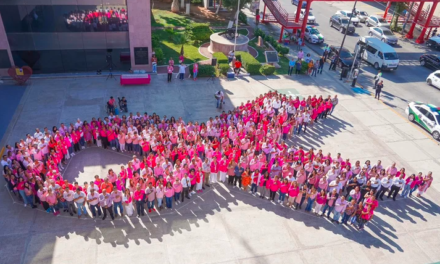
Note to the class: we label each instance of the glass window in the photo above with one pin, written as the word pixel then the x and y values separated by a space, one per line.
pixel 380 55
pixel 430 116
pixel 16 18
pixel 391 56
pixel 65 18
pixel 4 59
pixel 70 41
pixel 117 40
pixel 43 19
pixel 74 60
pixel 21 41
pixel 46 41
pixel 95 40
pixel 95 59
pixel 371 50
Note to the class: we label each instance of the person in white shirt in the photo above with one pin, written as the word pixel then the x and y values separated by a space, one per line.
pixel 93 200
pixel 186 184
pixel 68 195
pixel 398 184
pixel 335 185
pixel 276 104
pixel 385 186
pixel 79 198
pixel 38 134
pixel 6 162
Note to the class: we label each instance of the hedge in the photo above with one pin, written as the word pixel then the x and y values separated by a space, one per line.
pixel 224 68
pixel 250 64
pixel 221 57
pixel 204 70
pixel 267 69
pixel 159 54
pixel 201 31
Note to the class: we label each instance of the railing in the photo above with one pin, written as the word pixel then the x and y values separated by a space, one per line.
pixel 277 11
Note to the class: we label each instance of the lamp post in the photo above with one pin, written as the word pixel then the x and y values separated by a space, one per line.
pixel 236 25
pixel 345 33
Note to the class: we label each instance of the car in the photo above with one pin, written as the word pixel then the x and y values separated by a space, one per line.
pixel 362 15
pixel 310 18
pixel 433 42
pixel 312 35
pixel 430 60
pixel 296 2
pixel 349 14
pixel 384 34
pixel 426 115
pixel 377 21
pixel 346 59
pixel 341 23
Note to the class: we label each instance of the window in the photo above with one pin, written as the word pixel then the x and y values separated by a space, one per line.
pixel 437 75
pixel 380 55
pixel 430 117
pixel 371 50
pixel 391 56
pixel 423 111
pixel 4 59
pixel 378 30
pixel 374 19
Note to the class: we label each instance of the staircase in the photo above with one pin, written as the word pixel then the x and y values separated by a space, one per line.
pixel 280 15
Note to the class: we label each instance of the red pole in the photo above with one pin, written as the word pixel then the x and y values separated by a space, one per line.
pixel 386 10
pixel 281 34
pixel 306 16
pixel 264 14
pixel 429 33
pixel 298 10
pixel 421 38
pixel 409 35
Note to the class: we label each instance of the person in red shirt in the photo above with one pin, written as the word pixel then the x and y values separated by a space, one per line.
pixel 237 67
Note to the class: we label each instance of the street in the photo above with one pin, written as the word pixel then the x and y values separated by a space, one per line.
pixel 407 83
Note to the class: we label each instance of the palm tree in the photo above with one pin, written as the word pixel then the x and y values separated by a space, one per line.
pixel 399 7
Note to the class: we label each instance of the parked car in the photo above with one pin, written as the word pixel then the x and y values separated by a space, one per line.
pixel 430 60
pixel 384 34
pixel 296 2
pixel 433 42
pixel 341 23
pixel 379 54
pixel 346 59
pixel 377 21
pixel 426 115
pixel 312 35
pixel 310 18
pixel 349 14
pixel 362 15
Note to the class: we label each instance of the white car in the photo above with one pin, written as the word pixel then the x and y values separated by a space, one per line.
pixel 310 18
pixel 434 79
pixel 312 35
pixel 346 13
pixel 377 21
pixel 362 15
pixel 426 115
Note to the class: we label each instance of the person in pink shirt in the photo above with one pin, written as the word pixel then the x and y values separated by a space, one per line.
pixel 117 201
pixel 51 199
pixel 321 199
pixel 293 193
pixel 264 178
pixel 275 186
pixel 160 191
pixel 169 194
pixel 392 170
pixel 284 187
pixel 214 170
pixel 177 185
pixel 223 168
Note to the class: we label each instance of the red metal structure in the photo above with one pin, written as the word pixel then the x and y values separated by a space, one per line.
pixel 418 16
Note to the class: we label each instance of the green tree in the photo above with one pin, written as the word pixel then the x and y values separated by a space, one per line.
pixel 399 7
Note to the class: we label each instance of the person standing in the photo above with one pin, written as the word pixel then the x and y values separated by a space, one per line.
pixel 334 101
pixel 398 184
pixel 150 196
pixel 298 66
pixel 68 196
pixel 257 19
pixel 377 78
pixel 321 64
pixel 93 200
pixel 291 66
pixel 237 67
pixel 182 69
pixel 138 197
pixel 186 184
pixel 332 63
pixel 355 76
pixel 195 70
pixel 106 202
pixel 299 43
pixel 154 63
pixel 379 88
pixel 238 171
pixel 170 69
pixel 79 199
pixel 315 68
pixel 300 54
pixel 117 201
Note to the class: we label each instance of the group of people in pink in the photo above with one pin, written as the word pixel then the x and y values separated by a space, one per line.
pixel 174 160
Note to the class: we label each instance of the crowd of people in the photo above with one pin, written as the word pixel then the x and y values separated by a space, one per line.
pixel 174 160
pixel 103 19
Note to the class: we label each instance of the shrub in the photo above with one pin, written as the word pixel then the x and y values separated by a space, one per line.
pixel 304 67
pixel 159 54
pixel 204 70
pixel 259 33
pixel 155 41
pixel 242 18
pixel 221 57
pixel 267 69
pixel 224 68
pixel 238 56
pixel 251 65
pixel 201 31
pixel 283 50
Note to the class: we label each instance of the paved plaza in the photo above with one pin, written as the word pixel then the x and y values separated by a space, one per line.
pixel 225 225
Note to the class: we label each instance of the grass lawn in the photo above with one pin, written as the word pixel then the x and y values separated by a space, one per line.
pixel 163 18
pixel 283 61
pixel 172 50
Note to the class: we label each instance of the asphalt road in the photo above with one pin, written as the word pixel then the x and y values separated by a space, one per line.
pixel 407 83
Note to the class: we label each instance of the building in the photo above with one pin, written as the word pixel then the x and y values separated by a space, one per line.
pixel 61 36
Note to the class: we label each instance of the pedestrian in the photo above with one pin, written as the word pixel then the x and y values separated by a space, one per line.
pixel 335 101
pixel 377 79
pixel 301 54
pixel 315 68
pixel 310 67
pixel 170 69
pixel 291 66
pixel 154 63
pixel 299 43
pixel 220 97
pixel 237 67
pixel 106 203
pixel 231 56
pixel 325 54
pixel 195 70
pixel 332 63
pixel 257 19
pixel 321 64
pixel 355 76
pixel 434 32
pixel 182 69
pixel 298 66
pixel 379 88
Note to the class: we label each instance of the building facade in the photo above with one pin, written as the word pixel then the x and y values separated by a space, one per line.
pixel 62 36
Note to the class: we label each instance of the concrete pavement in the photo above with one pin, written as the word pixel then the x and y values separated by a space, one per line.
pixel 225 225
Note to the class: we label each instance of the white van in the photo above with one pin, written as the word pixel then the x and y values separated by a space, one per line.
pixel 379 54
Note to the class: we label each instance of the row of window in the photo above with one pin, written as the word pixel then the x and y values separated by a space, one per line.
pixel 64 18
pixel 56 61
